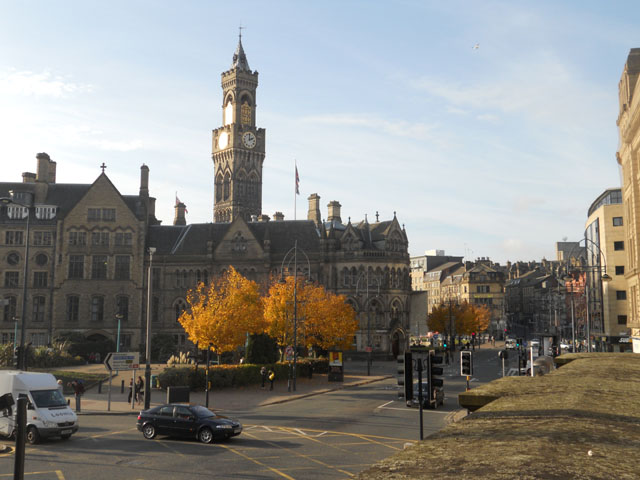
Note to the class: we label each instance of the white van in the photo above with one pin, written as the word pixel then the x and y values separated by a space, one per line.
pixel 48 414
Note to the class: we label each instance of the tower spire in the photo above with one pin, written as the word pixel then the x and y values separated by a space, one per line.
pixel 239 58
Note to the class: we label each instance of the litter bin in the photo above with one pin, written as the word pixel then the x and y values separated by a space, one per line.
pixel 154 381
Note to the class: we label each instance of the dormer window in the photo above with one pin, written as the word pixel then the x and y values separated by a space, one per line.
pixel 46 212
pixel 16 212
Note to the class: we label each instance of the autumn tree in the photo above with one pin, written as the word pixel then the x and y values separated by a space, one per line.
pixel 464 319
pixel 323 319
pixel 220 314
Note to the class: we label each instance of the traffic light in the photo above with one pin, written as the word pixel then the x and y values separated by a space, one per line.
pixel 433 373
pixel 405 376
pixel 466 363
pixel 518 342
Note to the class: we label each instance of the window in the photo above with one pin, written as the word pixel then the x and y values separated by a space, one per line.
pixel 46 212
pixel 108 214
pixel 40 279
pixel 482 288
pixel 15 212
pixel 42 238
pixel 9 313
pixel 38 308
pixel 41 259
pixel 97 308
pixel 622 319
pixel 617 221
pixel 38 339
pixel 618 245
pixel 77 238
pixel 100 239
pixel 13 237
pixel 73 308
pixel 76 266
pixel 122 267
pixel 124 238
pixel 8 337
pixel 11 279
pixel 93 214
pixel 13 258
pixel 180 307
pixel 621 294
pixel 155 309
pixel 122 307
pixel 99 267
pixel 619 269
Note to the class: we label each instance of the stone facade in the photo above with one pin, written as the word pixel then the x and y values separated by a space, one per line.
pixel 98 257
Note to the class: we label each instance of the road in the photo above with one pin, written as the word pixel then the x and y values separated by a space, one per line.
pixel 333 435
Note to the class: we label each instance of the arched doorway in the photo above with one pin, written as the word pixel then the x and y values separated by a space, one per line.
pixel 398 343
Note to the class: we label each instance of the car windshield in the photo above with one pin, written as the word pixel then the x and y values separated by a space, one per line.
pixel 202 412
pixel 48 398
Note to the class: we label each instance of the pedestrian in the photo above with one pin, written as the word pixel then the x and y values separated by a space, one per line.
pixel 272 377
pixel 263 375
pixel 130 390
pixel 61 387
pixel 139 389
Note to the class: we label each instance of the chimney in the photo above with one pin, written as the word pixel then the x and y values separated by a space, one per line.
pixel 43 167
pixel 28 177
pixel 52 172
pixel 278 217
pixel 314 208
pixel 179 218
pixel 334 211
pixel 263 218
pixel 254 218
pixel 144 181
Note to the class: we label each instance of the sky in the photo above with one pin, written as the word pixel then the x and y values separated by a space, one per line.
pixel 487 127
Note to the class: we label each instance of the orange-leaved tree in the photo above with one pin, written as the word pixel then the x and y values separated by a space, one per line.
pixel 474 318
pixel 220 314
pixel 445 319
pixel 322 319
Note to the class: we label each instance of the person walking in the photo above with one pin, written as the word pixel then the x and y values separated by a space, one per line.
pixel 263 375
pixel 272 377
pixel 139 390
pixel 130 390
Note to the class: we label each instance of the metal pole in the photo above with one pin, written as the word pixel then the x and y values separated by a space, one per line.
pixel 573 324
pixel 586 289
pixel 21 353
pixel 118 337
pixel 21 433
pixel 295 312
pixel 419 366
pixel 369 346
pixel 206 387
pixel 147 370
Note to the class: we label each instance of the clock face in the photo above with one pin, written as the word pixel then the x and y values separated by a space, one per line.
pixel 223 140
pixel 249 139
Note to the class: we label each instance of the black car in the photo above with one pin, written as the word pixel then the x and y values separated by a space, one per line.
pixel 439 394
pixel 187 420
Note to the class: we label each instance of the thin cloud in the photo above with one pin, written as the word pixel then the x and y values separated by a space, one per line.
pixel 26 83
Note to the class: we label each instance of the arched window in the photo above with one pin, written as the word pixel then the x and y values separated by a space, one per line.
pixel 226 186
pixel 240 184
pixel 219 183
pixel 346 278
pixel 9 313
pixel 228 111
pixel 179 307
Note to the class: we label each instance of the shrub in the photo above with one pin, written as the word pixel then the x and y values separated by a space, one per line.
pixel 262 349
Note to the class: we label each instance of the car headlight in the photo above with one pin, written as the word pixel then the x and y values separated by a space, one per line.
pixel 224 426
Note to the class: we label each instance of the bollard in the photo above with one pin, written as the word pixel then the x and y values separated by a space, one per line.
pixel 122 387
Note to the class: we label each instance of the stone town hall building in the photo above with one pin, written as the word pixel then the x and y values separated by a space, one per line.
pixel 89 246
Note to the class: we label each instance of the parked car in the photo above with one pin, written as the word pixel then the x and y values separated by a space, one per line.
pixel 425 396
pixel 187 420
pixel 510 344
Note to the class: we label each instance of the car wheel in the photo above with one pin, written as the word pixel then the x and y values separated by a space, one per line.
pixel 149 431
pixel 205 435
pixel 33 436
pixel 65 437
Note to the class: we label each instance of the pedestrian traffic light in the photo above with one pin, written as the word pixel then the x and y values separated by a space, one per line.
pixel 466 363
pixel 433 373
pixel 405 376
pixel 518 342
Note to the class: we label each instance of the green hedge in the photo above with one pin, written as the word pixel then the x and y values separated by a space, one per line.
pixel 225 376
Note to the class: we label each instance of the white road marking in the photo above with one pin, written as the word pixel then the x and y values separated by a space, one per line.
pixel 385 404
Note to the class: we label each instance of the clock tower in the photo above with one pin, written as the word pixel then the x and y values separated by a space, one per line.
pixel 238 146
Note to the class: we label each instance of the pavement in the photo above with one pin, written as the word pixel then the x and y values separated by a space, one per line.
pixel 96 401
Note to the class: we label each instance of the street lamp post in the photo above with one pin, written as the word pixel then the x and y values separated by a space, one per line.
pixel 365 276
pixel 147 370
pixel 603 278
pixel 292 255
pixel 119 318
pixel 30 208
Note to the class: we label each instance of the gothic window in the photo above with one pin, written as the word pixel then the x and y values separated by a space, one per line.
pixel 73 308
pixel 396 309
pixel 245 113
pixel 179 307
pixel 219 188
pixel 354 276
pixel 238 243
pixel 206 277
pixel 9 313
pixel 227 186
pixel 228 111
pixel 97 308
pixel 240 184
pixel 346 278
